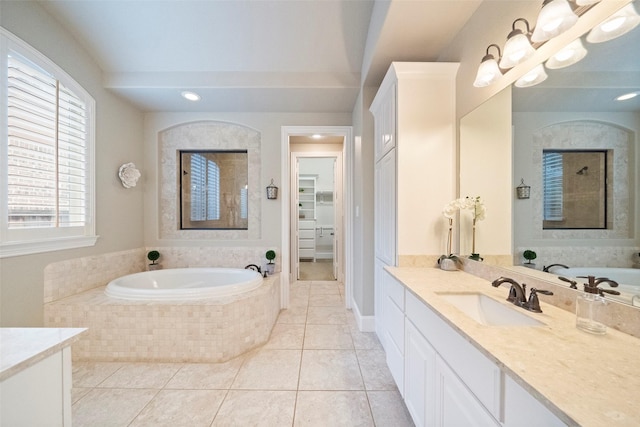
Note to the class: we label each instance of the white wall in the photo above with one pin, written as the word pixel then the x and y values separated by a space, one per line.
pixel 118 140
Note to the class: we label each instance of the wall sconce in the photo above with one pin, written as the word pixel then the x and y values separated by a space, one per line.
pixel 518 47
pixel 621 22
pixel 523 191
pixel 488 71
pixel 556 17
pixel 533 77
pixel 272 191
pixel 571 54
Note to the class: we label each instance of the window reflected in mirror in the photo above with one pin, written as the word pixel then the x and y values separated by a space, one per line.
pixel 214 189
pixel 574 189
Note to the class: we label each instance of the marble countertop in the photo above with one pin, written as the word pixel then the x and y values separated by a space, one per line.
pixel 24 347
pixel 585 379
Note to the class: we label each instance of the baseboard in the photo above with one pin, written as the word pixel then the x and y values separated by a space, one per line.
pixel 365 323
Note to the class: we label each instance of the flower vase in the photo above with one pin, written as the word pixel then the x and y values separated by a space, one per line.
pixel 447 264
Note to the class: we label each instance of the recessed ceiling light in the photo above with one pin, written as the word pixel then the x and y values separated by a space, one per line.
pixel 627 96
pixel 316 136
pixel 191 96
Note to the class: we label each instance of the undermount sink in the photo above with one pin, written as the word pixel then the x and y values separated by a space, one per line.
pixel 487 311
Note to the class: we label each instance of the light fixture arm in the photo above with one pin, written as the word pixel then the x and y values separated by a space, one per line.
pixel 488 56
pixel 515 31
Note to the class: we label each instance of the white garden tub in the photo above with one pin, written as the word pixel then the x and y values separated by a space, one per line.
pixel 180 284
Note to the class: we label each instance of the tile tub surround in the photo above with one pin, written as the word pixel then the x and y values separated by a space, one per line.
pixel 189 331
pixel 73 276
pixel 584 379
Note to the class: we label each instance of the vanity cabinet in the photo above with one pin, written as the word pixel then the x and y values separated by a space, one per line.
pixel 447 381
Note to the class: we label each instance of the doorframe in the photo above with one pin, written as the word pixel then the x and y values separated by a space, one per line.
pixel 285 182
pixel 339 231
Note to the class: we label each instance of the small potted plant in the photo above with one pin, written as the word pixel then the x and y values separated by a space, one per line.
pixel 529 255
pixel 270 255
pixel 153 256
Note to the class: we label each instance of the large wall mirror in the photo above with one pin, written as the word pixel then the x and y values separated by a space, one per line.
pixel 573 110
pixel 214 190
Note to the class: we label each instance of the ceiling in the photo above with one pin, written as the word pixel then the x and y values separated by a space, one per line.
pixel 256 55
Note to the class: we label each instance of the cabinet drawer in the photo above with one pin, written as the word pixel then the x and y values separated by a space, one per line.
pixel 307 234
pixel 394 321
pixel 307 253
pixel 307 224
pixel 480 374
pixel 307 244
pixel 394 289
pixel 395 362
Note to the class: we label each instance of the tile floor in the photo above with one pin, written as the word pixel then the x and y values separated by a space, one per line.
pixel 317 369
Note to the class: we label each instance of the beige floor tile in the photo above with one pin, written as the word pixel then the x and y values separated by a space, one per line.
pixel 181 408
pixel 326 316
pixel 268 369
pixel 293 315
pixel 90 374
pixel 326 300
pixel 256 408
pixel 208 376
pixel 388 409
pixel 141 375
pixel 299 301
pixel 320 288
pixel 286 336
pixel 328 337
pixel 332 408
pixel 110 407
pixel 78 392
pixel 375 373
pixel 365 340
pixel 330 370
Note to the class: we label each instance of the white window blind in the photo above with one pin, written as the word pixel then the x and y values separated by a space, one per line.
pixel 205 189
pixel 46 168
pixel 552 182
pixel 47 158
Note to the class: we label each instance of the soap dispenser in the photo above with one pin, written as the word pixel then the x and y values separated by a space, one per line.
pixel 589 307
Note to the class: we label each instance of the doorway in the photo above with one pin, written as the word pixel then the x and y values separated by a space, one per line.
pixel 334 249
pixel 317 252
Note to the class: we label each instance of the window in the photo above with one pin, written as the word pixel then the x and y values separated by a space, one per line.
pixel 46 154
pixel 553 194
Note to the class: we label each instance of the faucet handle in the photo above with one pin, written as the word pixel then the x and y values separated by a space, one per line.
pixel 533 304
pixel 573 283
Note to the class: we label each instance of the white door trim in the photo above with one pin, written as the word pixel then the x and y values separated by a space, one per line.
pixel 347 173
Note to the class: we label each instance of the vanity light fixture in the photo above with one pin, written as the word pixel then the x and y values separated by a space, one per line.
pixel 569 55
pixel 533 77
pixel 627 96
pixel 191 96
pixel 586 2
pixel 621 22
pixel 556 17
pixel 518 47
pixel 488 71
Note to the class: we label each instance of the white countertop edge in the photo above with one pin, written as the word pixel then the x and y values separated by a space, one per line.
pixel 21 348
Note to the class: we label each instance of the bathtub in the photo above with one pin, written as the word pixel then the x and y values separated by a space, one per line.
pixel 183 284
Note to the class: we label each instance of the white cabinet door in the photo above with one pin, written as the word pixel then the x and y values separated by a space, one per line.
pixel 419 377
pixel 384 110
pixel 378 300
pixel 521 409
pixel 385 209
pixel 455 405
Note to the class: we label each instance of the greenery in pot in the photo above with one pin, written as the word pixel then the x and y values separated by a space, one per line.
pixel 529 255
pixel 270 255
pixel 153 256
